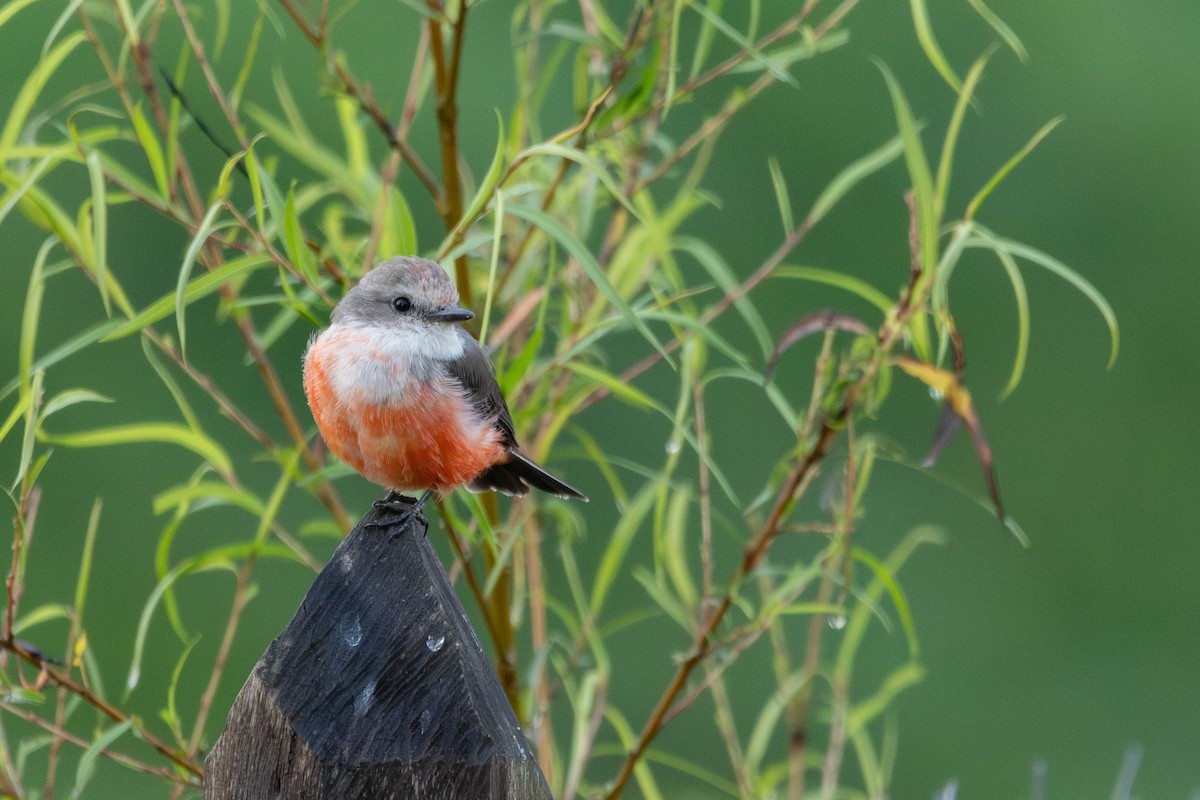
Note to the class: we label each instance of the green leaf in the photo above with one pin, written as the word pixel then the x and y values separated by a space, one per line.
pixel 884 575
pixel 85 561
pixel 146 432
pixel 297 247
pixel 994 242
pixel 856 626
pixel 222 558
pixel 839 280
pixel 743 43
pixel 15 415
pixel 851 176
pixel 357 152
pixel 199 287
pixel 208 493
pixel 998 25
pixel 933 52
pixel 68 348
pixel 618 546
pixel 86 768
pixel 294 137
pixel 622 390
pixel 588 163
pixel 493 269
pixel 99 227
pixel 486 186
pixel 31 178
pixel 707 256
pixel 590 266
pixel 172 712
pixel 1009 166
pixel 918 171
pixel 9 10
pixel 782 200
pixel 44 613
pixel 185 271
pixel 900 679
pixel 30 316
pixel 18 113
pixel 946 161
pixel 31 428
pixel 641 773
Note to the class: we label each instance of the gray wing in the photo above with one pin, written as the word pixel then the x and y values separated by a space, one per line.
pixel 474 371
pixel 518 473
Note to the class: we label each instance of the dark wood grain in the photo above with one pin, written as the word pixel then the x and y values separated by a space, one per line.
pixel 378 688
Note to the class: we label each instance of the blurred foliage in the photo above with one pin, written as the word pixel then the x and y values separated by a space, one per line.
pixel 573 241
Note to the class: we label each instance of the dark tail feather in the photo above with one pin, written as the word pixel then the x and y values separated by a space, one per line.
pixel 517 476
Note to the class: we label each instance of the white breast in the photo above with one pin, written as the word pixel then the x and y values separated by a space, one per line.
pixel 378 364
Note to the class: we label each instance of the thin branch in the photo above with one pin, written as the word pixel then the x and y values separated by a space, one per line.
pixel 240 598
pixel 795 485
pixel 100 704
pixel 61 734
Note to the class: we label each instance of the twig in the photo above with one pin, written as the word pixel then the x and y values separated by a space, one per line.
pixel 23 525
pixel 240 598
pixel 214 87
pixel 61 734
pixel 101 705
pixel 445 79
pixel 795 485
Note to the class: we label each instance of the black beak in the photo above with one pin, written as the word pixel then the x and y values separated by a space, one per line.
pixel 452 314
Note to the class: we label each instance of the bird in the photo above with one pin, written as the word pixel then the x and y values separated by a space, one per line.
pixel 404 395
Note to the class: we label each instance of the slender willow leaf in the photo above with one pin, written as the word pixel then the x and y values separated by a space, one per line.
pixel 580 253
pixel 992 241
pixel 587 162
pixel 852 175
pixel 85 561
pixel 87 762
pixel 1009 166
pixel 185 271
pixel 200 286
pixel 99 228
pixel 9 10
pixel 887 578
pixel 143 432
pixel 998 25
pixel 30 317
pixel 933 52
pixel 486 187
pixel 782 200
pixel 68 348
pixel 70 397
pixel 715 265
pixel 900 679
pixel 18 112
pixel 618 546
pixel 840 280
pixel 918 170
pixel 945 163
pixel 222 558
pixel 744 44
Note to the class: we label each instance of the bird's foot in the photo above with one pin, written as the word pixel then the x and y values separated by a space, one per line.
pixel 398 510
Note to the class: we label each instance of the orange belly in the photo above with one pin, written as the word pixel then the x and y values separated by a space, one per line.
pixel 425 437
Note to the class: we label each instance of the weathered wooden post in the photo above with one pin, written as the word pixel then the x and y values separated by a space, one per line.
pixel 378 688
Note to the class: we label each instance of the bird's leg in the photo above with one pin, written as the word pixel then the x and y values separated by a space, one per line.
pixel 399 509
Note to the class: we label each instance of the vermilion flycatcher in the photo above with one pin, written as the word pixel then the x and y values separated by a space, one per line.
pixel 405 396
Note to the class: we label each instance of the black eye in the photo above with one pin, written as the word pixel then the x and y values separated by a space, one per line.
pixel 402 304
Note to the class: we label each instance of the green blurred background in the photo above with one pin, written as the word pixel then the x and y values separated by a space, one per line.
pixel 1067 652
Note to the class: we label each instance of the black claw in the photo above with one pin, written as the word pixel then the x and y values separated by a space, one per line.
pixel 398 510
